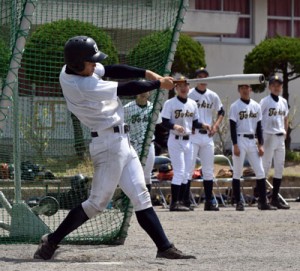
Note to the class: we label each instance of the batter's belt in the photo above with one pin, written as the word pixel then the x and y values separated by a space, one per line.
pixel 115 129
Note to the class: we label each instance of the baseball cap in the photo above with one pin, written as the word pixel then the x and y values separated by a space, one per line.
pixel 202 70
pixel 242 85
pixel 275 78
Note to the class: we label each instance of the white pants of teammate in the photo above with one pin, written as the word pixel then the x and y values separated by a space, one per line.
pixel 247 147
pixel 149 164
pixel 115 163
pixel 203 147
pixel 180 152
pixel 274 150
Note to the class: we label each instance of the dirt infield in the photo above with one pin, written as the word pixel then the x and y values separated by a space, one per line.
pixel 225 240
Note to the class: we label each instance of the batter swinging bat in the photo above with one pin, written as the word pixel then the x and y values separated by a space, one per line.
pixel 237 79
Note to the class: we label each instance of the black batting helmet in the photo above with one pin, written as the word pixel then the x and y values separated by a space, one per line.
pixel 79 49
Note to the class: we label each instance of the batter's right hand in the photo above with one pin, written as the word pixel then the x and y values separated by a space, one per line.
pixel 166 83
pixel 236 150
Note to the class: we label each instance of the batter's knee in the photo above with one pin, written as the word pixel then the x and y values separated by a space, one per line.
pixel 141 201
pixel 95 205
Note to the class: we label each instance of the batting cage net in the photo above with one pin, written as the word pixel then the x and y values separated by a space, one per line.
pixel 45 165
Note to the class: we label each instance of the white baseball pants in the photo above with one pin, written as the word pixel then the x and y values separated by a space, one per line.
pixel 203 147
pixel 115 163
pixel 180 152
pixel 149 164
pixel 274 150
pixel 247 147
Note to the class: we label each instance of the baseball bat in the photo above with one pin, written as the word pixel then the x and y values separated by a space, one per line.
pixel 237 79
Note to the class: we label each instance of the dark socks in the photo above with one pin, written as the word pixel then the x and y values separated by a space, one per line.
pixel 186 196
pixel 148 187
pixel 74 219
pixel 276 187
pixel 182 192
pixel 236 187
pixel 175 189
pixel 149 221
pixel 208 188
pixel 261 187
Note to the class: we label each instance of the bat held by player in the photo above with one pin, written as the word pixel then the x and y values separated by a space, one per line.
pixel 237 79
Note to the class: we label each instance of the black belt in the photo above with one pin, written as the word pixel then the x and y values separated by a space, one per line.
pixel 116 129
pixel 186 137
pixel 280 134
pixel 250 136
pixel 203 132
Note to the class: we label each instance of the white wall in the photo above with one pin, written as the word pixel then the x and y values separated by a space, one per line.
pixel 224 59
pixel 229 59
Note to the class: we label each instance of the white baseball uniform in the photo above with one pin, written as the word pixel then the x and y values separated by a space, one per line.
pixel 179 145
pixel 203 145
pixel 273 115
pixel 138 119
pixel 246 116
pixel 96 105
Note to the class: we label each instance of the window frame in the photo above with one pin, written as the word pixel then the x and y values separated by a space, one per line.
pixel 230 40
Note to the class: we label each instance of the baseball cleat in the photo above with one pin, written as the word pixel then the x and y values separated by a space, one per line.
pixel 177 207
pixel 266 206
pixel 173 253
pixel 208 206
pixel 45 250
pixel 240 206
pixel 279 205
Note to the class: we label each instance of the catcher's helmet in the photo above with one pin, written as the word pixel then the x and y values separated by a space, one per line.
pixel 79 49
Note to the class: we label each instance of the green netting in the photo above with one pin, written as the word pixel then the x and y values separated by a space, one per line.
pixel 45 164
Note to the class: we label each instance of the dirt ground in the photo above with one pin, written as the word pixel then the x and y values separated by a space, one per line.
pixel 224 240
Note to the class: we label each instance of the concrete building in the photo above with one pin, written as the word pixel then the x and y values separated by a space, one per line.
pixel 230 29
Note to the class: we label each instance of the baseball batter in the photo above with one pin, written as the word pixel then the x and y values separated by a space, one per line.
pixel 245 125
pixel 180 115
pixel 138 115
pixel 275 124
pixel 96 104
pixel 208 102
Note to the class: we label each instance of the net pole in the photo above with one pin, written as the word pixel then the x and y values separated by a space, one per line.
pixel 162 94
pixel 15 62
pixel 11 90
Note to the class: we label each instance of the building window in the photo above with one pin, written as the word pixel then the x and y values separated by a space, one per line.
pixel 284 18
pixel 244 7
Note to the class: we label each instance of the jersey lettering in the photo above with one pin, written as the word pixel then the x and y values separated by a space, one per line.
pixel 137 118
pixel 245 115
pixel 204 104
pixel 180 114
pixel 274 112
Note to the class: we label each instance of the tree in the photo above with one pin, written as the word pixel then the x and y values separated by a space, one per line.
pixel 4 59
pixel 276 55
pixel 189 55
pixel 43 58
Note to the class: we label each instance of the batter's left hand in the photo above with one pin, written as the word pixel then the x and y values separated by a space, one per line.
pixel 166 83
pixel 261 150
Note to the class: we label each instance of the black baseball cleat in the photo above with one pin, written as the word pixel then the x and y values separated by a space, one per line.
pixel 279 205
pixel 240 206
pixel 265 207
pixel 45 250
pixel 208 206
pixel 178 207
pixel 173 253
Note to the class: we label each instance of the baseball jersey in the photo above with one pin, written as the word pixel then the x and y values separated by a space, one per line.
pixel 180 113
pixel 92 100
pixel 273 114
pixel 207 103
pixel 138 119
pixel 245 116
